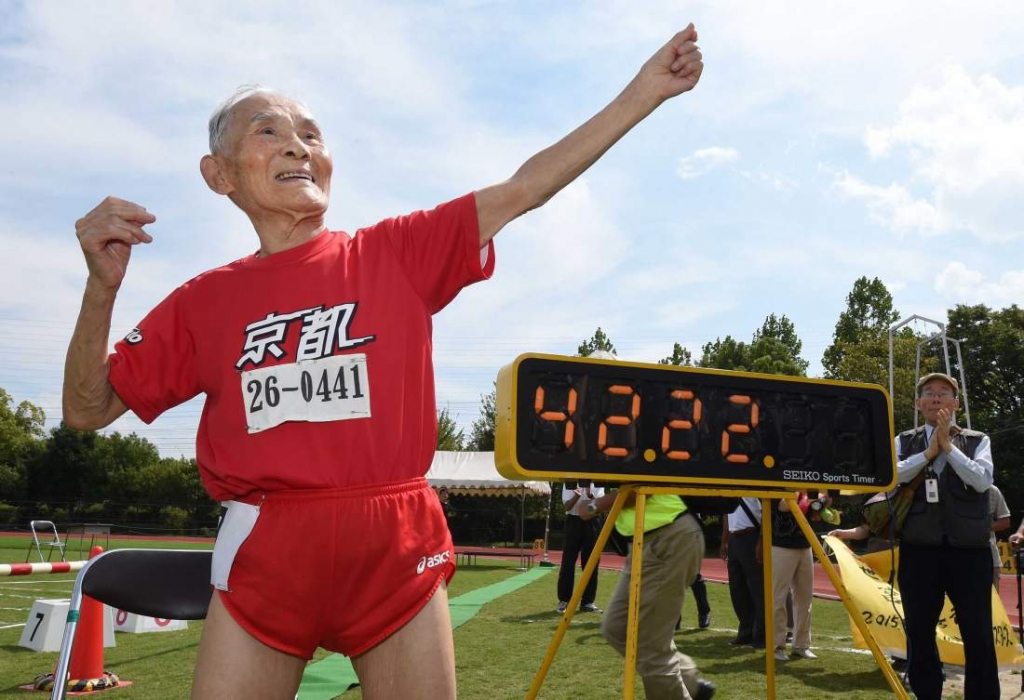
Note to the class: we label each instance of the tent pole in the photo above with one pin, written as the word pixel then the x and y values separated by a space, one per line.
pixel 544 560
pixel 522 517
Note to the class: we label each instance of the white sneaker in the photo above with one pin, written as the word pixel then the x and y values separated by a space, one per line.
pixel 780 654
pixel 804 654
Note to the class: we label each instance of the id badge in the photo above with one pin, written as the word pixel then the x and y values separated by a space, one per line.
pixel 931 490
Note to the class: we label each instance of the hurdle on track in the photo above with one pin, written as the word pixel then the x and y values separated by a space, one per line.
pixel 56 567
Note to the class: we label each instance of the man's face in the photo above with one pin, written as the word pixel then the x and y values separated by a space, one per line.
pixel 275 158
pixel 936 395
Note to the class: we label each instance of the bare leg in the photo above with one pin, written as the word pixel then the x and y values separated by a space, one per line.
pixel 415 663
pixel 233 665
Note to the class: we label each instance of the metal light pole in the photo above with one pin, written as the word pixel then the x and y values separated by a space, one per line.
pixel 941 333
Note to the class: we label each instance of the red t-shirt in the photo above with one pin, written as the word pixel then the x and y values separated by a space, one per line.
pixel 315 362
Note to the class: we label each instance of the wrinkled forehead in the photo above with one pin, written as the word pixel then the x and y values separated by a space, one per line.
pixel 268 107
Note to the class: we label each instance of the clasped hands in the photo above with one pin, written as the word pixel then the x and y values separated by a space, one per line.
pixel 940 441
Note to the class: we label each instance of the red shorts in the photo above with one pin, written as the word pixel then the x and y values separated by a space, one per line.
pixel 339 569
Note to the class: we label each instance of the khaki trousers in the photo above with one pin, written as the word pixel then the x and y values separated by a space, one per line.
pixel 671 561
pixel 793 569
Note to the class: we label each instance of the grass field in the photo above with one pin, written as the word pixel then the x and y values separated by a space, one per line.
pixel 497 652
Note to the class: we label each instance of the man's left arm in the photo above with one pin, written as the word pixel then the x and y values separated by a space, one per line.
pixel 977 472
pixel 673 70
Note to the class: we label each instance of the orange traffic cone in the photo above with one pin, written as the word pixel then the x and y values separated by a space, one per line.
pixel 87 654
pixel 86 663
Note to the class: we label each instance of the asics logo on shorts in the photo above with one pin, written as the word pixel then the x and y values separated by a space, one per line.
pixel 433 560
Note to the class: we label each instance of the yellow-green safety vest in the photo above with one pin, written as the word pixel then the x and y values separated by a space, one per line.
pixel 660 510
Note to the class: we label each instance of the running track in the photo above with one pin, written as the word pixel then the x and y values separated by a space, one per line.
pixel 713 569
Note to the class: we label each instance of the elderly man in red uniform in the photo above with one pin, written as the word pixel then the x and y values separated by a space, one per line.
pixel 314 354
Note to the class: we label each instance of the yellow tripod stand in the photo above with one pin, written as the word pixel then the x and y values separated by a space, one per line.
pixel 642 492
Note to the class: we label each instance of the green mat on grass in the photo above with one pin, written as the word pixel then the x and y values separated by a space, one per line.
pixel 334 675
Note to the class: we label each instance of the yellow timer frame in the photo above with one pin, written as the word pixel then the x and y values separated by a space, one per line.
pixel 562 418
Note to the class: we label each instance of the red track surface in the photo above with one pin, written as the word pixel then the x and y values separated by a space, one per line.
pixel 714 569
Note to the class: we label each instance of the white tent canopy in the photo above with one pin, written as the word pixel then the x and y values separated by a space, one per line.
pixel 474 474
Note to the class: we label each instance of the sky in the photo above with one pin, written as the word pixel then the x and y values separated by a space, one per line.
pixel 825 141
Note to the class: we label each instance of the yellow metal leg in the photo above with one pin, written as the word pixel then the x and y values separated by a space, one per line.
pixel 629 676
pixel 769 597
pixel 883 663
pixel 635 574
pixel 577 595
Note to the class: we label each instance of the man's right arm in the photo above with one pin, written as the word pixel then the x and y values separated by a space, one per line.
pixel 910 467
pixel 89 401
pixel 106 235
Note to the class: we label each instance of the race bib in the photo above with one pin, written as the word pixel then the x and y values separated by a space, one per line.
pixel 329 389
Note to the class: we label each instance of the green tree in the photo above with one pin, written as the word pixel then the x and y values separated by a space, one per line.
pixel 449 436
pixel 600 341
pixel 77 466
pixel 680 356
pixel 172 481
pixel 860 348
pixel 65 470
pixel 727 353
pixel 868 316
pixel 21 440
pixel 121 459
pixel 774 349
pixel 992 346
pixel 481 433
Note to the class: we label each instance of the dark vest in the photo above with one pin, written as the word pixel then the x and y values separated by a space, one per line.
pixel 961 517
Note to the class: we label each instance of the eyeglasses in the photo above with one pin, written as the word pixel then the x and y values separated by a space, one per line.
pixel 937 394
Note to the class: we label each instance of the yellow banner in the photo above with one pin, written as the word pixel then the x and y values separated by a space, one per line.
pixel 866 579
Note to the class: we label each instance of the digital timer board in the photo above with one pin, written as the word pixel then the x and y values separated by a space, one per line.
pixel 572 418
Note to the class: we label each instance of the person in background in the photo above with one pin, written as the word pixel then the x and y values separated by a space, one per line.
pixel 672 554
pixel 741 548
pixel 999 512
pixel 699 588
pixel 1017 538
pixel 580 538
pixel 792 573
pixel 944 545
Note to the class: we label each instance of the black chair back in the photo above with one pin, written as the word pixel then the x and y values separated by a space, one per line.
pixel 170 584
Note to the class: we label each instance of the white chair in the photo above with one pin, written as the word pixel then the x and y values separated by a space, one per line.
pixel 45 527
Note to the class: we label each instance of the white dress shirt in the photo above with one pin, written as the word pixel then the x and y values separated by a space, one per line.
pixel 976 473
pixel 739 520
pixel 589 493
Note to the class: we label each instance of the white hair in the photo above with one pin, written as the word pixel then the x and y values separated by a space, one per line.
pixel 219 118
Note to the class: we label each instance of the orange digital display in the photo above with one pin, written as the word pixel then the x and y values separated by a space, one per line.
pixel 571 418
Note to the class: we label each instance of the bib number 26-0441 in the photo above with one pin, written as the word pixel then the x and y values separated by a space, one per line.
pixel 329 389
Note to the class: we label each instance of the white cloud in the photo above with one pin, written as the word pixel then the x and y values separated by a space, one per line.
pixel 962 285
pixel 39 279
pixel 892 206
pixel 705 160
pixel 774 180
pixel 964 141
